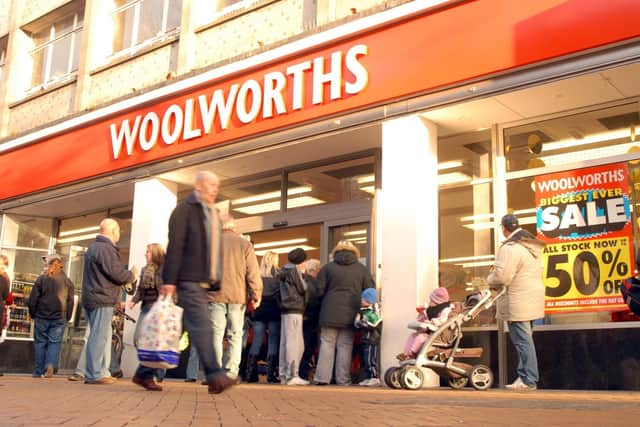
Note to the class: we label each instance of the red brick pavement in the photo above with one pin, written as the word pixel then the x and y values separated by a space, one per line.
pixel 25 401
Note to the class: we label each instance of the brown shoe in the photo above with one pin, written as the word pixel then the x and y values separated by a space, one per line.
pixel 49 372
pixel 103 380
pixel 147 383
pixel 220 383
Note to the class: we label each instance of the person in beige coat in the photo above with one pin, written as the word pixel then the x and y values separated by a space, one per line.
pixel 518 267
pixel 241 284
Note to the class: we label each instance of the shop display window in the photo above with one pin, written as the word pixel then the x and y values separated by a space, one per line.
pixel 573 146
pixel 26 232
pixel 466 218
pixel 331 183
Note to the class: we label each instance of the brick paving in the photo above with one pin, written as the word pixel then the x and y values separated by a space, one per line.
pixel 25 401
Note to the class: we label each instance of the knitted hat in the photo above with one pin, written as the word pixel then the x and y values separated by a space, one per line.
pixel 297 256
pixel 510 222
pixel 438 296
pixel 370 295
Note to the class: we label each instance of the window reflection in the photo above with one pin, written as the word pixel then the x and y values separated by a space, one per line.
pixel 254 197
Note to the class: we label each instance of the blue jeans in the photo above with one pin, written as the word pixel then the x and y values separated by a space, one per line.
pixel 522 338
pixel 369 357
pixel 193 299
pixel 47 341
pixel 273 343
pixel 99 341
pixel 193 366
pixel 227 319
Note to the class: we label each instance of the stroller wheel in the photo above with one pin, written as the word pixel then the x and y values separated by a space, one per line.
pixel 481 377
pixel 392 378
pixel 458 383
pixel 411 377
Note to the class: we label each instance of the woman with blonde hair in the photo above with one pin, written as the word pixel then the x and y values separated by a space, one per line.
pixel 148 292
pixel 340 284
pixel 266 318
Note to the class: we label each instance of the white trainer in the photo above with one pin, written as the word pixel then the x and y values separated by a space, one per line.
pixel 371 382
pixel 520 385
pixel 297 381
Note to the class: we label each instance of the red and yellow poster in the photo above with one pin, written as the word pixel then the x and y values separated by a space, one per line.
pixel 584 215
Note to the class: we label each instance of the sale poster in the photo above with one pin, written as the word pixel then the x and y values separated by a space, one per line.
pixel 584 216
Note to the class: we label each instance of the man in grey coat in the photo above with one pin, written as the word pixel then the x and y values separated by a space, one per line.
pixel 518 267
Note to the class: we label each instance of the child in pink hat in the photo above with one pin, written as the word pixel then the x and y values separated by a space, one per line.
pixel 435 312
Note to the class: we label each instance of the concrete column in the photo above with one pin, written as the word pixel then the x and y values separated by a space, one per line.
pixel 153 202
pixel 408 215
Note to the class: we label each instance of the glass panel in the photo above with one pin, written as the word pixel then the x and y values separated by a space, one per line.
pixel 27 232
pixel 3 49
pixel 38 58
pixel 249 198
pixel 175 14
pixel 284 240
pixel 63 26
pixel 465 215
pixel 76 51
pixel 60 58
pixel 150 19
pixel 358 234
pixel 332 183
pixel 41 37
pixel 123 29
pixel 587 136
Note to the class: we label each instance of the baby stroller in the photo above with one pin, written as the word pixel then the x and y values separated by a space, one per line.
pixel 442 348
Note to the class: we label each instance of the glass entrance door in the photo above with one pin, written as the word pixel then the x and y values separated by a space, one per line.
pixel 283 240
pixel 358 234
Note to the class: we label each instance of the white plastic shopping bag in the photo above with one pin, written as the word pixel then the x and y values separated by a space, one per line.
pixel 159 341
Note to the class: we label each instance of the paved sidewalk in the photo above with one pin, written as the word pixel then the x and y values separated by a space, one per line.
pixel 25 401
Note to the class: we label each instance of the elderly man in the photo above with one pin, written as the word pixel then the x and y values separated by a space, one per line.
pixel 241 283
pixel 102 281
pixel 518 267
pixel 193 267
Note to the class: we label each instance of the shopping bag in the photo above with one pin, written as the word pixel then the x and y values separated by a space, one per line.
pixel 159 341
pixel 184 341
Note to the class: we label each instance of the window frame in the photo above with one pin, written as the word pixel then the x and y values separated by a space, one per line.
pixel 136 45
pixel 3 55
pixel 45 79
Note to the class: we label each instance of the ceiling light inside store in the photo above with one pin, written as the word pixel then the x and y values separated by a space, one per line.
pixel 453 178
pixel 79 230
pixel 354 232
pixel 590 139
pixel 280 243
pixel 357 240
pixel 77 238
pixel 369 189
pixel 271 195
pixel 284 249
pixel 366 179
pixel 296 202
pixel 449 165
pixel 585 155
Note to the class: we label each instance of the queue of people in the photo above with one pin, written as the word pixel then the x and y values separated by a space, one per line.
pixel 306 311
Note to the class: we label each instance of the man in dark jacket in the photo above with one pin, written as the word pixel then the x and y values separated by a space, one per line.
pixel 102 281
pixel 50 305
pixel 193 266
pixel 293 300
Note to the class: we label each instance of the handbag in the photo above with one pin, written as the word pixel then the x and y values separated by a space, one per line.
pixel 161 329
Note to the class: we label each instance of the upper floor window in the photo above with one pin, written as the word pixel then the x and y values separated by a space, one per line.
pixel 3 56
pixel 56 46
pixel 138 22
pixel 212 10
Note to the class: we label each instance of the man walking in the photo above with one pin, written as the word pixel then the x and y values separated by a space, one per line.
pixel 50 305
pixel 193 266
pixel 103 278
pixel 518 267
pixel 227 306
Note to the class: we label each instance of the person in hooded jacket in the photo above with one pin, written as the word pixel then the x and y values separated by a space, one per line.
pixel 293 301
pixel 340 283
pixel 518 267
pixel 266 318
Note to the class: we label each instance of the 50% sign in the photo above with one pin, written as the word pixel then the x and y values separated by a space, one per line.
pixel 597 262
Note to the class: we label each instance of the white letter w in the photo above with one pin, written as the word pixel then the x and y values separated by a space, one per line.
pixel 126 133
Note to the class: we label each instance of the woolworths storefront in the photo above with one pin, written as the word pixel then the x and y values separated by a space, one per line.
pixel 391 130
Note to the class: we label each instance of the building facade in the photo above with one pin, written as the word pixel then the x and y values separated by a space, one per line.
pixel 407 127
